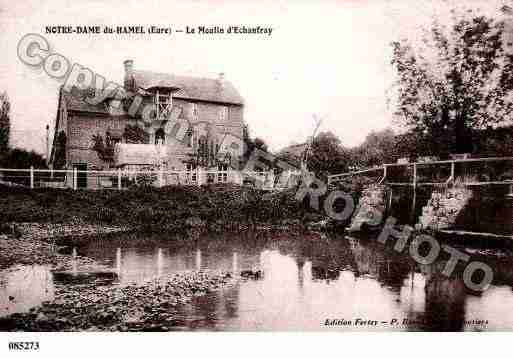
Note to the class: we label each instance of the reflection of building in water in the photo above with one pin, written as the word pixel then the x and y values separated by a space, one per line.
pixel 74 261
pixel 160 262
pixel 24 288
pixel 139 264
pixel 300 262
pixel 118 262
pixel 198 259
pixel 235 263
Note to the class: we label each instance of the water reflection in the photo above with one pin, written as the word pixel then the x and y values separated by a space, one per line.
pixel 198 259
pixel 24 287
pixel 160 262
pixel 305 281
pixel 310 279
pixel 74 264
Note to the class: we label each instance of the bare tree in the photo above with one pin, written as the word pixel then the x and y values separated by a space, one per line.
pixel 5 122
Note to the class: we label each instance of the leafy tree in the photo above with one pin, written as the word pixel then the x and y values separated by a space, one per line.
pixel 104 149
pixel 205 151
pixel 5 123
pixel 20 158
pixel 495 142
pixel 460 77
pixel 327 155
pixel 60 151
pixel 250 144
pixel 135 134
pixel 260 144
pixel 378 147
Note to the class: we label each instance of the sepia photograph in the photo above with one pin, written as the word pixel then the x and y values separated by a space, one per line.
pixel 255 166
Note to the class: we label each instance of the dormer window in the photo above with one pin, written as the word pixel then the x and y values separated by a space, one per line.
pixel 223 113
pixel 164 102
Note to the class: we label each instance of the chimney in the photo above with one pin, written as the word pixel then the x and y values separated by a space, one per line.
pixel 129 74
pixel 220 79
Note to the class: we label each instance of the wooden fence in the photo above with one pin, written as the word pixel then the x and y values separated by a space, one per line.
pixel 470 172
pixel 121 179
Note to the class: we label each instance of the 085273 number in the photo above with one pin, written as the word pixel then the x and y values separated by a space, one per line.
pixel 23 345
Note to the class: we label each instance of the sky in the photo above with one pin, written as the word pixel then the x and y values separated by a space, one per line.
pixel 325 58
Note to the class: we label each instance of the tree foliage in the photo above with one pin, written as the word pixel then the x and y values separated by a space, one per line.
pixel 22 159
pixel 327 155
pixel 60 151
pixel 135 134
pixel 205 152
pixel 378 147
pixel 459 77
pixel 250 144
pixel 104 149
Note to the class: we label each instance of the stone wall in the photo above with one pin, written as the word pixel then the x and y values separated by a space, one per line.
pixel 371 207
pixel 444 207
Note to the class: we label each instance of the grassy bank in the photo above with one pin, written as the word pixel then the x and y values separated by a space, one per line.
pixel 206 206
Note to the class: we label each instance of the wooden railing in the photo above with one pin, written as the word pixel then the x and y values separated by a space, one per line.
pixel 384 170
pixel 121 179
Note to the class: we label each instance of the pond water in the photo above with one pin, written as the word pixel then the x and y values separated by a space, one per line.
pixel 307 279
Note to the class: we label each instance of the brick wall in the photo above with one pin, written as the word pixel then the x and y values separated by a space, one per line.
pixel 81 129
pixel 209 112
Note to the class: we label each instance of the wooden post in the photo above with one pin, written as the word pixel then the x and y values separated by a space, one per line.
pixel 414 192
pixel 384 174
pixel 119 178
pixel 414 175
pixel 452 171
pixel 75 178
pixel 389 202
pixel 31 176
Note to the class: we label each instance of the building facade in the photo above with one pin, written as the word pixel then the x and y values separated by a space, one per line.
pixel 181 123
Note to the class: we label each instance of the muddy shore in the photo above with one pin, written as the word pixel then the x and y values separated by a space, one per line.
pixel 87 294
pixel 37 243
pixel 149 306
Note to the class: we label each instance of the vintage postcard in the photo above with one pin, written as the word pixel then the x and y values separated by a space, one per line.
pixel 235 166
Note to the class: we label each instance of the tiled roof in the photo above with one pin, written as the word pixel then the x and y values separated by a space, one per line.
pixel 191 88
pixel 78 103
pixel 296 150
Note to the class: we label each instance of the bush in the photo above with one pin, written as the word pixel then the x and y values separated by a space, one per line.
pixel 149 206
